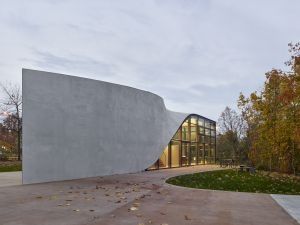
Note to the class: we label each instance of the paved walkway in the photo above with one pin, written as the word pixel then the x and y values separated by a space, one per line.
pixel 132 199
pixel 291 203
pixel 10 178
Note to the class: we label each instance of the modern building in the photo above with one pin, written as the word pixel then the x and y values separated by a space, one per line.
pixel 194 143
pixel 76 127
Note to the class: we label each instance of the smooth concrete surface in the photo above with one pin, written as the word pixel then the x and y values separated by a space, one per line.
pixel 76 127
pixel 291 203
pixel 132 199
pixel 10 178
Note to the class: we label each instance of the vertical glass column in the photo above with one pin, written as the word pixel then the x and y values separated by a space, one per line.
pixel 175 153
pixel 164 158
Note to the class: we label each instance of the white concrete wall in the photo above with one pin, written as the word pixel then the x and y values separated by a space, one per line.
pixel 75 127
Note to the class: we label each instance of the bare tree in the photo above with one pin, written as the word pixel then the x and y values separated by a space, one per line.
pixel 11 108
pixel 231 130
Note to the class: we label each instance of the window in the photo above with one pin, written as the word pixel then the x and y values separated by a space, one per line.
pixel 193 154
pixel 192 144
pixel 194 120
pixel 177 135
pixel 201 122
pixel 175 153
pixel 207 124
pixel 185 132
pixel 185 154
pixel 201 154
pixel 201 130
pixel 164 159
pixel 207 132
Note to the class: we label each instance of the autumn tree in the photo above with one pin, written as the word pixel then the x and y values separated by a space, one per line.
pixel 272 118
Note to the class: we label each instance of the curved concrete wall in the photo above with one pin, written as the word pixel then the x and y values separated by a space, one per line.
pixel 76 127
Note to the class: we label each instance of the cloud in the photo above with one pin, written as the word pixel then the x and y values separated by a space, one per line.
pixel 198 55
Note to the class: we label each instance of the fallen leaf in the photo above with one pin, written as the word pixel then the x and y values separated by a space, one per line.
pixel 133 208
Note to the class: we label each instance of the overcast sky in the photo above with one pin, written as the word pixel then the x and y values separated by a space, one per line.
pixel 197 54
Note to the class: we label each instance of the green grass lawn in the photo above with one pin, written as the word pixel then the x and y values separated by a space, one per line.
pixel 230 180
pixel 11 167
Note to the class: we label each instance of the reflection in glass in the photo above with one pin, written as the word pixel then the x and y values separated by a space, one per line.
pixel 201 130
pixel 194 120
pixel 207 124
pixel 201 122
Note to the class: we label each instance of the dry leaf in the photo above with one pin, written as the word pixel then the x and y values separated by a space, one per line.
pixel 133 208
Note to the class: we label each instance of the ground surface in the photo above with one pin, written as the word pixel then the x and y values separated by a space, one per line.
pixel 232 180
pixel 135 199
pixel 8 166
pixel 290 203
pixel 10 179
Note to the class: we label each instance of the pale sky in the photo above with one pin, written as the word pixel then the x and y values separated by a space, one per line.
pixel 197 54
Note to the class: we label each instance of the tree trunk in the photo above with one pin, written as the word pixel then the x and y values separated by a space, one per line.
pixel 19 144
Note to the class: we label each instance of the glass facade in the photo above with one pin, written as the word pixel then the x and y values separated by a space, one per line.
pixel 194 143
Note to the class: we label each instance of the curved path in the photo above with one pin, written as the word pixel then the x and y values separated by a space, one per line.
pixel 139 198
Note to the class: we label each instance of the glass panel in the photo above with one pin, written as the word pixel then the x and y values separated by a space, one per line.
pixel 212 133
pixel 175 150
pixel 177 135
pixel 185 154
pixel 201 130
pixel 201 154
pixel 164 159
pixel 193 136
pixel 154 166
pixel 212 151
pixel 194 120
pixel 201 122
pixel 185 133
pixel 201 138
pixel 213 126
pixel 207 124
pixel 212 141
pixel 185 123
pixel 207 131
pixel 193 154
pixel 193 128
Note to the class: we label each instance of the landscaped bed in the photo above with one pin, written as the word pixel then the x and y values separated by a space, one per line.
pixel 231 180
pixel 9 166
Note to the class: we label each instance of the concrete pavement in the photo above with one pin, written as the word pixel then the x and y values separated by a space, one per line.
pixel 291 203
pixel 10 178
pixel 140 198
